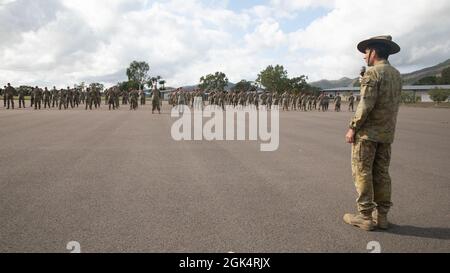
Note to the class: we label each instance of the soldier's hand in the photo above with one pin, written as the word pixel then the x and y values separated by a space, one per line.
pixel 350 137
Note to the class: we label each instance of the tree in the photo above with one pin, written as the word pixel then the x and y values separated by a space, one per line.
pixel 97 86
pixel 299 84
pixel 138 72
pixel 125 86
pixel 153 81
pixel 445 76
pixel 430 80
pixel 162 83
pixel 439 95
pixel 274 78
pixel 214 82
pixel 243 85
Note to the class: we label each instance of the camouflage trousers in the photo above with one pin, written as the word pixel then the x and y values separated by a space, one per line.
pixel 370 169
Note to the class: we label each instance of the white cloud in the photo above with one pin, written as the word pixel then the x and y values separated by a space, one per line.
pixel 67 41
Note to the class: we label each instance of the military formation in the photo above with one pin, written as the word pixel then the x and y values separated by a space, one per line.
pixel 71 98
pixel 288 101
pixel 92 97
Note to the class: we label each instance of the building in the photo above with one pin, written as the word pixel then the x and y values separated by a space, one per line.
pixel 419 91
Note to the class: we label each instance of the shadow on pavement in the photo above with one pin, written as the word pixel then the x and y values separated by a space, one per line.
pixel 432 232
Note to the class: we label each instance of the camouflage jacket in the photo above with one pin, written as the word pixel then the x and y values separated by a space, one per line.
pixel 376 116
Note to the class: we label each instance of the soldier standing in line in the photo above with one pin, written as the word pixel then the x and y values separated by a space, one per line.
pixel 77 95
pixel 88 99
pixel 111 95
pixel 97 98
pixel 116 91
pixel 21 93
pixel 62 99
pixel 47 98
pixel 134 98
pixel 156 97
pixel 372 132
pixel 54 97
pixel 32 98
pixel 125 95
pixel 351 103
pixel 142 95
pixel 9 94
pixel 69 97
pixel 107 93
pixel 82 96
pixel 4 96
pixel 337 102
pixel 37 98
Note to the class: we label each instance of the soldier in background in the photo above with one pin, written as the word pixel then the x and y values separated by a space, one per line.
pixel 76 97
pixel 315 99
pixel 83 96
pixel 116 92
pixel 269 100
pixel 69 97
pixel 88 99
pixel 111 95
pixel 9 95
pixel 326 103
pixel 99 97
pixel 337 101
pixel 47 98
pixel 125 96
pixel 54 97
pixel 3 92
pixel 21 94
pixel 134 98
pixel 351 103
pixel 156 104
pixel 142 95
pixel 62 99
pixel 32 98
pixel 37 92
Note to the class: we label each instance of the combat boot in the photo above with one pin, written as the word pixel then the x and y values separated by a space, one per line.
pixel 380 220
pixel 363 221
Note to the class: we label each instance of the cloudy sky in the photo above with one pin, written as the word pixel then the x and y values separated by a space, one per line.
pixel 61 42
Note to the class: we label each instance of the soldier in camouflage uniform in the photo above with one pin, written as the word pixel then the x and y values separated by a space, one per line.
pixel 37 92
pixel 351 103
pixel 83 96
pixel 125 96
pixel 89 101
pixel 77 97
pixel 156 97
pixel 111 95
pixel 21 93
pixel 337 101
pixel 62 99
pixel 32 97
pixel 4 96
pixel 47 98
pixel 69 97
pixel 372 131
pixel 142 95
pixel 9 94
pixel 134 97
pixel 54 97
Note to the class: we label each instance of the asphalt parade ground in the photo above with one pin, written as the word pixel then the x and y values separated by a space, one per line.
pixel 118 182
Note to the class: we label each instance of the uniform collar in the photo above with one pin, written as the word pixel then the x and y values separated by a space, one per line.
pixel 383 62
